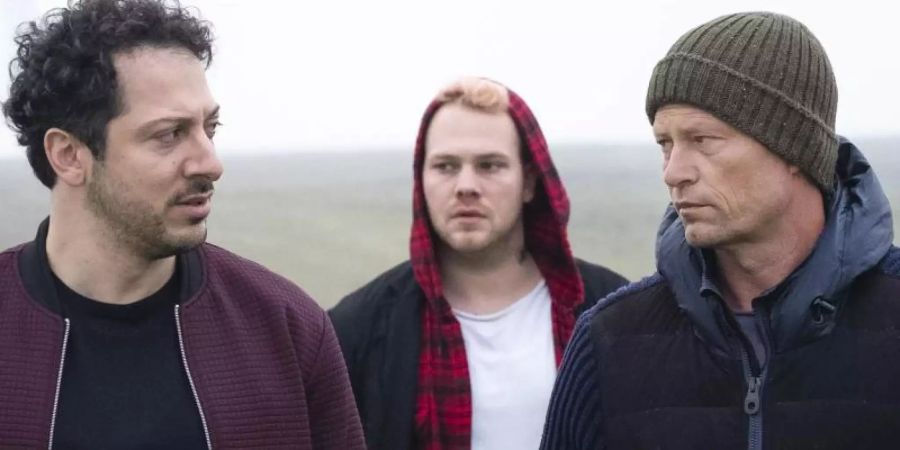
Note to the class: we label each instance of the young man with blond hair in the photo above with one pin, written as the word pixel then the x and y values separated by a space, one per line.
pixel 458 347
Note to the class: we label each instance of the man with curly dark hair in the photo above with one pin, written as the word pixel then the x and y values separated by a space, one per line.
pixel 119 327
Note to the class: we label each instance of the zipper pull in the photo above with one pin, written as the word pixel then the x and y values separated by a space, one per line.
pixel 751 401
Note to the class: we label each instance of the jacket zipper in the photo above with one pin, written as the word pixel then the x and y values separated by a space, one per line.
pixel 62 359
pixel 753 402
pixel 191 380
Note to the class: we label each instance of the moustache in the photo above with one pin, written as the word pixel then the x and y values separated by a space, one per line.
pixel 197 186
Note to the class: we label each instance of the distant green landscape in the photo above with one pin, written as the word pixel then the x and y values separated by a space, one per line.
pixel 332 221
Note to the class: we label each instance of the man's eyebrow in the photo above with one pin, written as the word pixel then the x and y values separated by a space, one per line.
pixel 693 127
pixel 488 155
pixel 176 119
pixel 442 155
pixel 168 120
pixel 451 155
pixel 702 127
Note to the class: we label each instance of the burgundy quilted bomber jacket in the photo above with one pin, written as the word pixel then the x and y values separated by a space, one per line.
pixel 261 356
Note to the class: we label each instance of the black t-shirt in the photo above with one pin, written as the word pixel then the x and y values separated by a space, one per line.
pixel 123 383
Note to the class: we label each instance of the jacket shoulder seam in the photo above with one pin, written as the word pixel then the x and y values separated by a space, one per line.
pixel 624 292
pixel 890 264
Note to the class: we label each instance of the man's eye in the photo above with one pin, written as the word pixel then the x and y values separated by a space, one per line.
pixel 171 135
pixel 491 166
pixel 443 167
pixel 211 128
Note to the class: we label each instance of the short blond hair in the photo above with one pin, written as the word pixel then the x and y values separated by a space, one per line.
pixel 477 93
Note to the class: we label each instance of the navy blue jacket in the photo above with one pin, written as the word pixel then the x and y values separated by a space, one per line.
pixel 663 364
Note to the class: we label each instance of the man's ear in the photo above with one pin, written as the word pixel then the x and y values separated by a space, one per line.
pixel 68 156
pixel 530 182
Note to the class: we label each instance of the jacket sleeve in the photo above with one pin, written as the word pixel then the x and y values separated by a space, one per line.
pixel 333 418
pixel 573 418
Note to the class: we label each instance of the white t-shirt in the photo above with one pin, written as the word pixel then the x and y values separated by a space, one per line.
pixel 512 367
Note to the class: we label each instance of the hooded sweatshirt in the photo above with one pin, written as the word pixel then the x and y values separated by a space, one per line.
pixel 443 417
pixel 375 338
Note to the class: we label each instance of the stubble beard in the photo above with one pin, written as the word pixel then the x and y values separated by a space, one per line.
pixel 134 224
pixel 492 246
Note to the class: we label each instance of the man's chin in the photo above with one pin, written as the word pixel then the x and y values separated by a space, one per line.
pixel 196 239
pixel 701 237
pixel 182 249
pixel 467 244
pixel 182 243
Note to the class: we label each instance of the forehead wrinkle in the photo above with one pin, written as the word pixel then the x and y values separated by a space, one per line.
pixel 688 120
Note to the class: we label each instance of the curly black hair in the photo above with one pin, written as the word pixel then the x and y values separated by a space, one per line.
pixel 63 74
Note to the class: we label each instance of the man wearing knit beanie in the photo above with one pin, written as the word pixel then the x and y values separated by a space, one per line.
pixel 773 320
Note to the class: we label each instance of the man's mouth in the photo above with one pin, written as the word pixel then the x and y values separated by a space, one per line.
pixel 467 214
pixel 195 200
pixel 197 206
pixel 681 205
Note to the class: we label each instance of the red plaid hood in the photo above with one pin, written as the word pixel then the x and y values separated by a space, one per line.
pixel 545 217
pixel 444 404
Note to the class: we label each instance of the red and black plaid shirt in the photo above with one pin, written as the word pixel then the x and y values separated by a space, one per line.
pixel 444 400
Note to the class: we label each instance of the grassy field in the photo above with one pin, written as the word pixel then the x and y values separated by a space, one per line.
pixel 332 221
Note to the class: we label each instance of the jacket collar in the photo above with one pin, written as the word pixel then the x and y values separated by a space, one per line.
pixel 858 233
pixel 37 277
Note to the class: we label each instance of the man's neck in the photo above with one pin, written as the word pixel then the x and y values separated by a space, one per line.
pixel 88 259
pixel 489 281
pixel 749 269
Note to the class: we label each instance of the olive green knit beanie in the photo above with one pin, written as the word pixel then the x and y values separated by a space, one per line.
pixel 764 74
